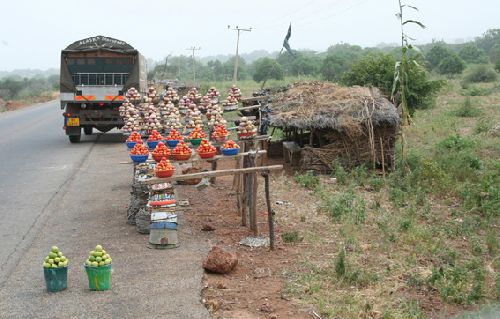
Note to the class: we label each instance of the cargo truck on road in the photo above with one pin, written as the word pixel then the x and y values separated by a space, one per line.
pixel 95 74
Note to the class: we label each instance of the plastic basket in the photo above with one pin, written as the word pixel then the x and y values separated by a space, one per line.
pixel 181 157
pixel 230 151
pixel 165 174
pixel 207 154
pixel 195 141
pixel 152 144
pixel 172 143
pixel 158 158
pixel 99 277
pixel 56 279
pixel 139 158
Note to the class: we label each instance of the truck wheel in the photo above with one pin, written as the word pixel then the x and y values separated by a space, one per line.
pixel 74 138
pixel 87 130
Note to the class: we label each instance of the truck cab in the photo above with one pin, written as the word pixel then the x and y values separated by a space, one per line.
pixel 95 73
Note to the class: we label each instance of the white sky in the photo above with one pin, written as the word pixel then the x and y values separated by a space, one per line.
pixel 32 32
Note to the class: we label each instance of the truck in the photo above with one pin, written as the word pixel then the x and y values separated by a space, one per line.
pixel 95 74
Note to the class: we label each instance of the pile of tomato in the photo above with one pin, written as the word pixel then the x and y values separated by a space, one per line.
pixel 139 149
pixel 197 133
pixel 164 165
pixel 161 151
pixel 155 136
pixel 174 135
pixel 182 149
pixel 134 137
pixel 230 144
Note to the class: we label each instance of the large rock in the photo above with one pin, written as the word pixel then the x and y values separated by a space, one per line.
pixel 220 261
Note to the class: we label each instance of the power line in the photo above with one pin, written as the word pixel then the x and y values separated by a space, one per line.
pixel 192 49
pixel 235 71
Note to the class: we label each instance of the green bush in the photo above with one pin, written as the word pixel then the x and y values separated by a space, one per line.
pixel 291 237
pixel 480 73
pixel 308 180
pixel 378 70
pixel 452 64
pixel 478 91
pixel 467 110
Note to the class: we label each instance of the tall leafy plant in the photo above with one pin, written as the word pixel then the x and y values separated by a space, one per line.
pixel 402 70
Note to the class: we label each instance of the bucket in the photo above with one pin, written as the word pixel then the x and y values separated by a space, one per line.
pixel 56 279
pixel 99 277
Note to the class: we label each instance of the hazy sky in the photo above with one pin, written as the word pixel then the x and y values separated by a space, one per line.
pixel 32 33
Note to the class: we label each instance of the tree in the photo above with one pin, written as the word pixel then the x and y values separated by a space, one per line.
pixel 333 67
pixel 451 65
pixel 305 65
pixel 378 70
pixel 372 70
pixel 436 54
pixel 489 39
pixel 265 69
pixel 470 53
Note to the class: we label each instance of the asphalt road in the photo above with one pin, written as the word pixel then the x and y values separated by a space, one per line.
pixel 37 162
pixel 75 196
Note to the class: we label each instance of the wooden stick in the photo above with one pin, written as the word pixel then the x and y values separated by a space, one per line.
pixel 253 222
pixel 156 180
pixel 382 154
pixel 270 213
pixel 214 168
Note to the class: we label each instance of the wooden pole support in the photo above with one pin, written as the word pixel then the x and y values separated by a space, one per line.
pixel 270 213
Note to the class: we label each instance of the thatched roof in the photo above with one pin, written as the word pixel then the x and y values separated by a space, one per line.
pixel 324 105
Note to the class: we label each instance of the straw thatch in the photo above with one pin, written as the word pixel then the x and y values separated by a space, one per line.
pixel 356 125
pixel 329 106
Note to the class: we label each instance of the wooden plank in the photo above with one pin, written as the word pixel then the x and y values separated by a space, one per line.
pixel 156 180
pixel 248 108
pixel 196 158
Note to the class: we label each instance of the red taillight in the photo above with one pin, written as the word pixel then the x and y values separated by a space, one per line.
pixel 67 114
pixel 101 104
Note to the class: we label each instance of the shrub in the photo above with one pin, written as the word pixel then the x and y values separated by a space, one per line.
pixel 451 65
pixel 467 110
pixel 480 73
pixel 307 180
pixel 291 237
pixel 378 70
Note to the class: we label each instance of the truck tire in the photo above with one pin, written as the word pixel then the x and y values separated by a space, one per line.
pixel 87 130
pixel 74 138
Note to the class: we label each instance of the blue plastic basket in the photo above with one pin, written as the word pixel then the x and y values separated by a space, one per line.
pixel 152 144
pixel 229 151
pixel 139 158
pixel 131 145
pixel 172 143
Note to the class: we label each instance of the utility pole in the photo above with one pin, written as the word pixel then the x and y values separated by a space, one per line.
pixel 235 71
pixel 192 49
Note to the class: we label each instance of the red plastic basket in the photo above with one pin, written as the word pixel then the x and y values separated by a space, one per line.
pixel 181 157
pixel 158 158
pixel 207 155
pixel 165 174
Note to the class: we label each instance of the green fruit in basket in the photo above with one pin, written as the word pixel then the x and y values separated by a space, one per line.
pixel 91 258
pixel 98 259
pixel 65 263
pixel 55 249
pixel 57 260
pixel 46 265
pixel 88 263
pixel 50 261
pixel 101 263
pixel 98 248
pixel 52 255
pixel 54 266
pixel 63 258
pixel 104 252
pixel 104 257
pixel 46 259
pixel 107 261
pixel 95 264
pixel 60 264
pixel 59 254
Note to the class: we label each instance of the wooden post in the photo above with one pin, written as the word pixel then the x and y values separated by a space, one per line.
pixel 214 168
pixel 270 213
pixel 253 198
pixel 382 154
pixel 311 137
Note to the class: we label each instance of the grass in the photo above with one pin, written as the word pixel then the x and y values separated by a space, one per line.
pixel 428 230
